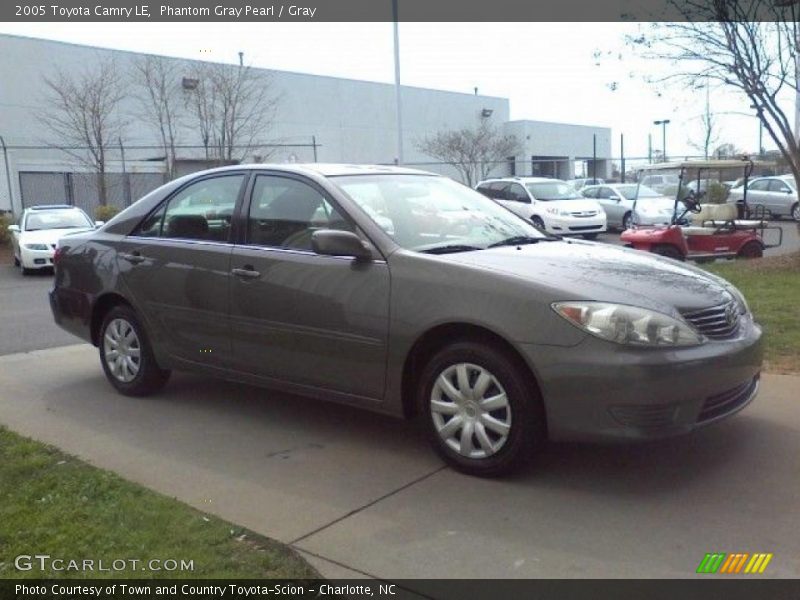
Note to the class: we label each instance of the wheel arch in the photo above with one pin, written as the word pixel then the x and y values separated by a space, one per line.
pixel 435 338
pixel 100 309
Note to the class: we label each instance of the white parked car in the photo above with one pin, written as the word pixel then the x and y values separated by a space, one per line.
pixel 776 195
pixel 582 182
pixel 661 183
pixel 35 235
pixel 552 205
pixel 617 199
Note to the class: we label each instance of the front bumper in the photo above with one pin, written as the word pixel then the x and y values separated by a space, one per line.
pixel 36 259
pixel 574 225
pixel 602 391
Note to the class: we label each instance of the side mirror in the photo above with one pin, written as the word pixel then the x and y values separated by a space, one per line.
pixel 333 242
pixel 13 228
pixel 99 223
pixel 615 198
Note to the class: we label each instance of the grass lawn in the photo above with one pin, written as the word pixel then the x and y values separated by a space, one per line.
pixel 772 288
pixel 52 503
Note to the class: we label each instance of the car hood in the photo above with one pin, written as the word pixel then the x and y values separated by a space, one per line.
pixel 49 236
pixel 663 204
pixel 576 270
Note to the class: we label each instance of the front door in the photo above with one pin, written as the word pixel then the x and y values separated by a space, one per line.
pixel 297 316
pixel 177 266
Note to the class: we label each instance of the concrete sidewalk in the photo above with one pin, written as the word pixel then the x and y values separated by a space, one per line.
pixel 361 495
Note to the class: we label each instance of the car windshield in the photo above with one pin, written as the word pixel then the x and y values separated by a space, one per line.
pixel 428 213
pixel 553 190
pixel 629 191
pixel 56 219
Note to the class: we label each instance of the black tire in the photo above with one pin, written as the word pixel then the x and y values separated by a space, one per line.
pixel 751 249
pixel 149 377
pixel 669 251
pixel 25 271
pixel 16 261
pixel 537 221
pixel 525 413
pixel 590 236
pixel 796 212
pixel 627 221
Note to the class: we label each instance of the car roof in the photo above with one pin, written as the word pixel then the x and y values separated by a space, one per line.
pixel 519 180
pixel 328 169
pixel 52 207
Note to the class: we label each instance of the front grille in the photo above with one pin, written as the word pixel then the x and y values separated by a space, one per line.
pixel 717 322
pixel 727 401
pixel 584 213
pixel 645 416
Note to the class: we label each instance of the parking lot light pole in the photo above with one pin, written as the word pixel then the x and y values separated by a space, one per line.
pixel 8 174
pixel 663 124
pixel 397 91
pixel 760 131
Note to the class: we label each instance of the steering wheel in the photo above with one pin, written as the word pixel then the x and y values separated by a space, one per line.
pixel 692 201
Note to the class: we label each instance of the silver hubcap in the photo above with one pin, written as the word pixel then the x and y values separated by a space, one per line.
pixel 470 410
pixel 121 350
pixel 796 213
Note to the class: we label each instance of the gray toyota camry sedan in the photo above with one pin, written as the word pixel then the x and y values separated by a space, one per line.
pixel 406 293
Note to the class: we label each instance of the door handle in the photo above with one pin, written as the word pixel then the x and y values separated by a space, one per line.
pixel 248 272
pixel 134 257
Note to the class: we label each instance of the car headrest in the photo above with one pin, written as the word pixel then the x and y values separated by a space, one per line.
pixel 187 226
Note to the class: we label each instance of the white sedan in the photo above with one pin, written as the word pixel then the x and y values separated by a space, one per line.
pixel 35 235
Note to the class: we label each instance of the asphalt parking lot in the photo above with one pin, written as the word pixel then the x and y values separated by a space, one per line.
pixel 361 495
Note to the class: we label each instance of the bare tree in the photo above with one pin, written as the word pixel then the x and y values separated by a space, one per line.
pixel 747 45
pixel 233 108
pixel 710 137
pixel 474 152
pixel 727 150
pixel 158 80
pixel 83 112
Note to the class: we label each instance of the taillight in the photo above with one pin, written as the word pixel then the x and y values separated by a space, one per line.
pixel 57 255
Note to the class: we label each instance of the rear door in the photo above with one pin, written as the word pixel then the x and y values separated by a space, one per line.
pixel 758 194
pixel 176 266
pixel 297 316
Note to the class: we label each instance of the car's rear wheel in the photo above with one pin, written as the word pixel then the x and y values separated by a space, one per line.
pixel 669 251
pixel 482 414
pixel 126 354
pixel 796 212
pixel 751 250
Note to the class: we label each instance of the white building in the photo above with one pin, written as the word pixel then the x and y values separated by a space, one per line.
pixel 319 118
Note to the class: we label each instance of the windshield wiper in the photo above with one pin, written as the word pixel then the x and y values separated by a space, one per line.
pixel 451 248
pixel 521 240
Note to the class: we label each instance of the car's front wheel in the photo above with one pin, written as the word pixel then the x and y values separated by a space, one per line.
pixel 126 355
pixel 538 222
pixel 796 212
pixel 482 414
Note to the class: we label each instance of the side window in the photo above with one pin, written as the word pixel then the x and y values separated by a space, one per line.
pixel 759 186
pixel 284 213
pixel 200 211
pixel 500 190
pixel 776 185
pixel 589 192
pixel 517 193
pixel 486 190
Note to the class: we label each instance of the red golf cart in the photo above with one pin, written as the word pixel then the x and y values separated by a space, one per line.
pixel 704 232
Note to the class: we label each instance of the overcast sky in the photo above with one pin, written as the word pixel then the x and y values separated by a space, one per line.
pixel 548 70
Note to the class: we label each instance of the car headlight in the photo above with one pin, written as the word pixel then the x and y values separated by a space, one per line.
pixel 625 324
pixel 744 308
pixel 35 246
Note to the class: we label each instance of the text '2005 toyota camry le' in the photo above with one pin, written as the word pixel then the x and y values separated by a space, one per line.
pixel 407 293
